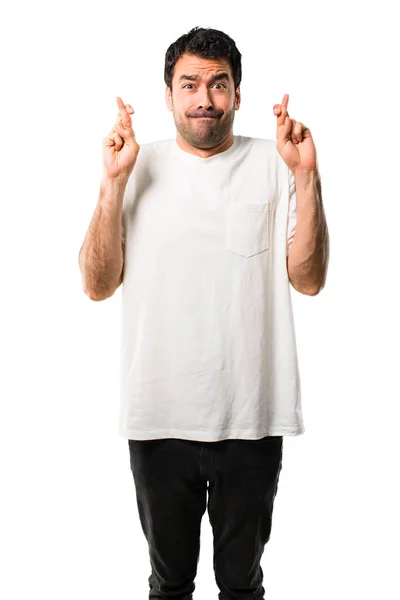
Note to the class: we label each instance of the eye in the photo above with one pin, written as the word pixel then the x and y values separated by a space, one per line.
pixel 214 84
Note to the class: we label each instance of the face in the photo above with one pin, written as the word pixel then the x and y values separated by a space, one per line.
pixel 200 89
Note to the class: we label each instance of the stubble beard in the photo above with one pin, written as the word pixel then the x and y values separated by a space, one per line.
pixel 206 134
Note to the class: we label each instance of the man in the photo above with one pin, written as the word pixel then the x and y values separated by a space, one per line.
pixel 206 231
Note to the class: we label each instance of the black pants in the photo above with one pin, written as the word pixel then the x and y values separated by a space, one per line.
pixel 171 477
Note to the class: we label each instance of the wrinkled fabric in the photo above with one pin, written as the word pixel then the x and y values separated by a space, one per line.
pixel 208 348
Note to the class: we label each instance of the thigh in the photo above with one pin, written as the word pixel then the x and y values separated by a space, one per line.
pixel 246 472
pixel 241 496
pixel 171 497
pixel 166 468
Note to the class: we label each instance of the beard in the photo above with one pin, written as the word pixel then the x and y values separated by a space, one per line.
pixel 204 134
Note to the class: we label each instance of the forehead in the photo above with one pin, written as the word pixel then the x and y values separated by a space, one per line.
pixel 191 64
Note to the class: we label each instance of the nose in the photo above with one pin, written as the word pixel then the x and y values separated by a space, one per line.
pixel 204 100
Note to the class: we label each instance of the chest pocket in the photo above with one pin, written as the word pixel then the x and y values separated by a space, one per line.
pixel 247 227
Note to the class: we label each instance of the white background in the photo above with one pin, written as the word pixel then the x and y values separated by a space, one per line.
pixel 69 521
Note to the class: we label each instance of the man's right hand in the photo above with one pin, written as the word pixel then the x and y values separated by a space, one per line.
pixel 120 148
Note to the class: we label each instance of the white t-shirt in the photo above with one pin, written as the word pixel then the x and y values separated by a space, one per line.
pixel 208 348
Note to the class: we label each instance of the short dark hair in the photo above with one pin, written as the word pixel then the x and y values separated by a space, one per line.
pixel 207 43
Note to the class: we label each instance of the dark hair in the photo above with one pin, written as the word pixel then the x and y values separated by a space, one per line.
pixel 207 43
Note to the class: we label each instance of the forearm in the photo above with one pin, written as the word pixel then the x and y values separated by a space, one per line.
pixel 100 257
pixel 309 253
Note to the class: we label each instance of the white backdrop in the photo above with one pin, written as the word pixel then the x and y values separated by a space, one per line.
pixel 69 521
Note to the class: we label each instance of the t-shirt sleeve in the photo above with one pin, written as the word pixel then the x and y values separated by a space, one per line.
pixel 127 201
pixel 136 176
pixel 292 213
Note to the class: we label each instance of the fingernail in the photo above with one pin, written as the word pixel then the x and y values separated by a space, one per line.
pixel 276 110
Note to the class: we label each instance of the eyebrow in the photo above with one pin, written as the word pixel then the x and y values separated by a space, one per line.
pixel 196 77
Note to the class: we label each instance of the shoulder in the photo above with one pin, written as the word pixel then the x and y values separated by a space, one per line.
pixel 256 148
pixel 157 147
pixel 262 150
pixel 152 153
pixel 256 143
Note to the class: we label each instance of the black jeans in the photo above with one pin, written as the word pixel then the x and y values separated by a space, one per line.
pixel 171 477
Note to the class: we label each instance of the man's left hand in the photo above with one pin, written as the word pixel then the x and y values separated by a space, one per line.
pixel 294 141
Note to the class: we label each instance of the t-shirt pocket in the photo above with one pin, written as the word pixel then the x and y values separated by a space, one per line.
pixel 247 227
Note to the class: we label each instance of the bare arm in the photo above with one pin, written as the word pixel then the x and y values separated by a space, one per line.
pixel 308 260
pixel 101 254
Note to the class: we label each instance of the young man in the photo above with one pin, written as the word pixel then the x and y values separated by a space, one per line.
pixel 206 231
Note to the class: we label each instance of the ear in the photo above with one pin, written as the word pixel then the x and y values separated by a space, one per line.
pixel 168 98
pixel 237 98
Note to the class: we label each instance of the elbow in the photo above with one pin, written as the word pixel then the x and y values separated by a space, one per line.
pixel 306 291
pixel 93 296
pixel 313 292
pixel 99 296
pixel 96 296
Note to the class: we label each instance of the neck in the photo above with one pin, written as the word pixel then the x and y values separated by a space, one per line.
pixel 205 152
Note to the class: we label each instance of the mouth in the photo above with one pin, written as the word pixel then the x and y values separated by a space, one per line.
pixel 206 117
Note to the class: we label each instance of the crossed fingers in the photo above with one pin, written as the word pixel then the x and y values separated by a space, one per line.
pixel 123 117
pixel 297 128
